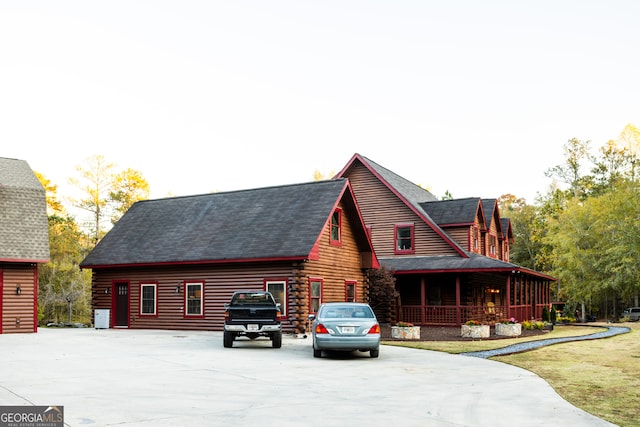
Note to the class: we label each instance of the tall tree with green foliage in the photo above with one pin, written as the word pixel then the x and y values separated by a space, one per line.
pixel 129 186
pixel 576 154
pixel 61 283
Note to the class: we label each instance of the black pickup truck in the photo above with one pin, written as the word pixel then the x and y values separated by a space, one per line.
pixel 252 314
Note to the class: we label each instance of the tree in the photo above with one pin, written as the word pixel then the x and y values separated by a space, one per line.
pixel 508 203
pixel 576 152
pixel 60 280
pixel 382 294
pixel 129 186
pixel 629 139
pixel 610 167
pixel 96 183
pixel 319 176
pixel 54 206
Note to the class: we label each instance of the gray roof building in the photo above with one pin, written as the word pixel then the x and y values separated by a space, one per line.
pixel 24 230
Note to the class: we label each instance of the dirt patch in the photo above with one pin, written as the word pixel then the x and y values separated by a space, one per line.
pixel 452 333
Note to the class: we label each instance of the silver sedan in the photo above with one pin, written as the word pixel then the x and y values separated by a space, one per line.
pixel 345 326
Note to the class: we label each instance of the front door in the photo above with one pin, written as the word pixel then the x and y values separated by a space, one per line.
pixel 122 305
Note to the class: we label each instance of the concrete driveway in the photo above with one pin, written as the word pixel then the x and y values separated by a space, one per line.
pixel 179 378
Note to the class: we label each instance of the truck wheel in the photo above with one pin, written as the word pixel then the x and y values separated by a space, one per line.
pixel 276 339
pixel 227 339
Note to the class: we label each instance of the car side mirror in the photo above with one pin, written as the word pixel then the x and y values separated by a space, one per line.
pixel 312 316
pixel 278 306
pixel 226 305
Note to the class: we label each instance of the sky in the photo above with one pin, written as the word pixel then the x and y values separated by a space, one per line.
pixel 472 97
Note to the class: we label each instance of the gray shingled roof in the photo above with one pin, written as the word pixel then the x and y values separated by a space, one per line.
pixel 267 223
pixel 450 263
pixel 456 211
pixel 507 232
pixel 489 205
pixel 475 262
pixel 24 228
pixel 412 192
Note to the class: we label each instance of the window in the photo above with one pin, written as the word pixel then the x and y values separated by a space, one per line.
pixel 350 291
pixel 279 291
pixel 315 294
pixel 148 299
pixel 404 239
pixel 492 245
pixel 193 297
pixel 475 235
pixel 336 224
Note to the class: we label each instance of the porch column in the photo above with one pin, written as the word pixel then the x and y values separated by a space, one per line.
pixel 507 297
pixel 423 300
pixel 458 313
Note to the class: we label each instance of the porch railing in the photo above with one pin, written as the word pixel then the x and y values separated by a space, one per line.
pixel 448 314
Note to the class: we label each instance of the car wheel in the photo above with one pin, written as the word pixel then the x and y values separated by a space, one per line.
pixel 374 353
pixel 317 353
pixel 227 339
pixel 276 339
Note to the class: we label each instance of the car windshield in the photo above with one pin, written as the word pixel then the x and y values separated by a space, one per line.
pixel 346 311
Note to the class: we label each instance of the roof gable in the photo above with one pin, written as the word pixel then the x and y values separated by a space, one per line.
pixel 507 231
pixel 409 193
pixel 282 222
pixel 492 214
pixel 24 228
pixel 454 212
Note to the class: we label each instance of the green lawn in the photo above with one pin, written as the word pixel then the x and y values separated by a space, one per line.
pixel 600 376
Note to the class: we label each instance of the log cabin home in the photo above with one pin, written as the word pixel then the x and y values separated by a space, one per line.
pixel 24 243
pixel 173 263
pixel 450 258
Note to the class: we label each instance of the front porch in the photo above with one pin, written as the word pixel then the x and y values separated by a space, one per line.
pixel 452 299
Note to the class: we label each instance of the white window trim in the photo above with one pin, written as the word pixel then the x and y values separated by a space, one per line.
pixel 283 304
pixel 155 298
pixel 186 298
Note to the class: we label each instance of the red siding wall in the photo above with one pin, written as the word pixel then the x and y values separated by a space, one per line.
pixel 381 210
pixel 19 312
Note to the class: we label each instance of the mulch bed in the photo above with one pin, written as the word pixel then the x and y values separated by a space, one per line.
pixel 451 333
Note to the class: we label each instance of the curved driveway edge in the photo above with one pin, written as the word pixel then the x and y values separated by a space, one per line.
pixel 532 345
pixel 185 378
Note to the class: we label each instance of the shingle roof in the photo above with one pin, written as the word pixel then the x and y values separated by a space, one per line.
pixel 444 263
pixel 24 228
pixel 507 231
pixel 451 263
pixel 412 192
pixel 456 211
pixel 267 223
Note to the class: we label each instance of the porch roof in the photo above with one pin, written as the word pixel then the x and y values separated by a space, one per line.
pixel 450 264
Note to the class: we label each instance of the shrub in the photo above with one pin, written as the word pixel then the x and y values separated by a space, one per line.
pixel 404 325
pixel 545 314
pixel 473 323
pixel 527 325
pixel 554 315
pixel 538 325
